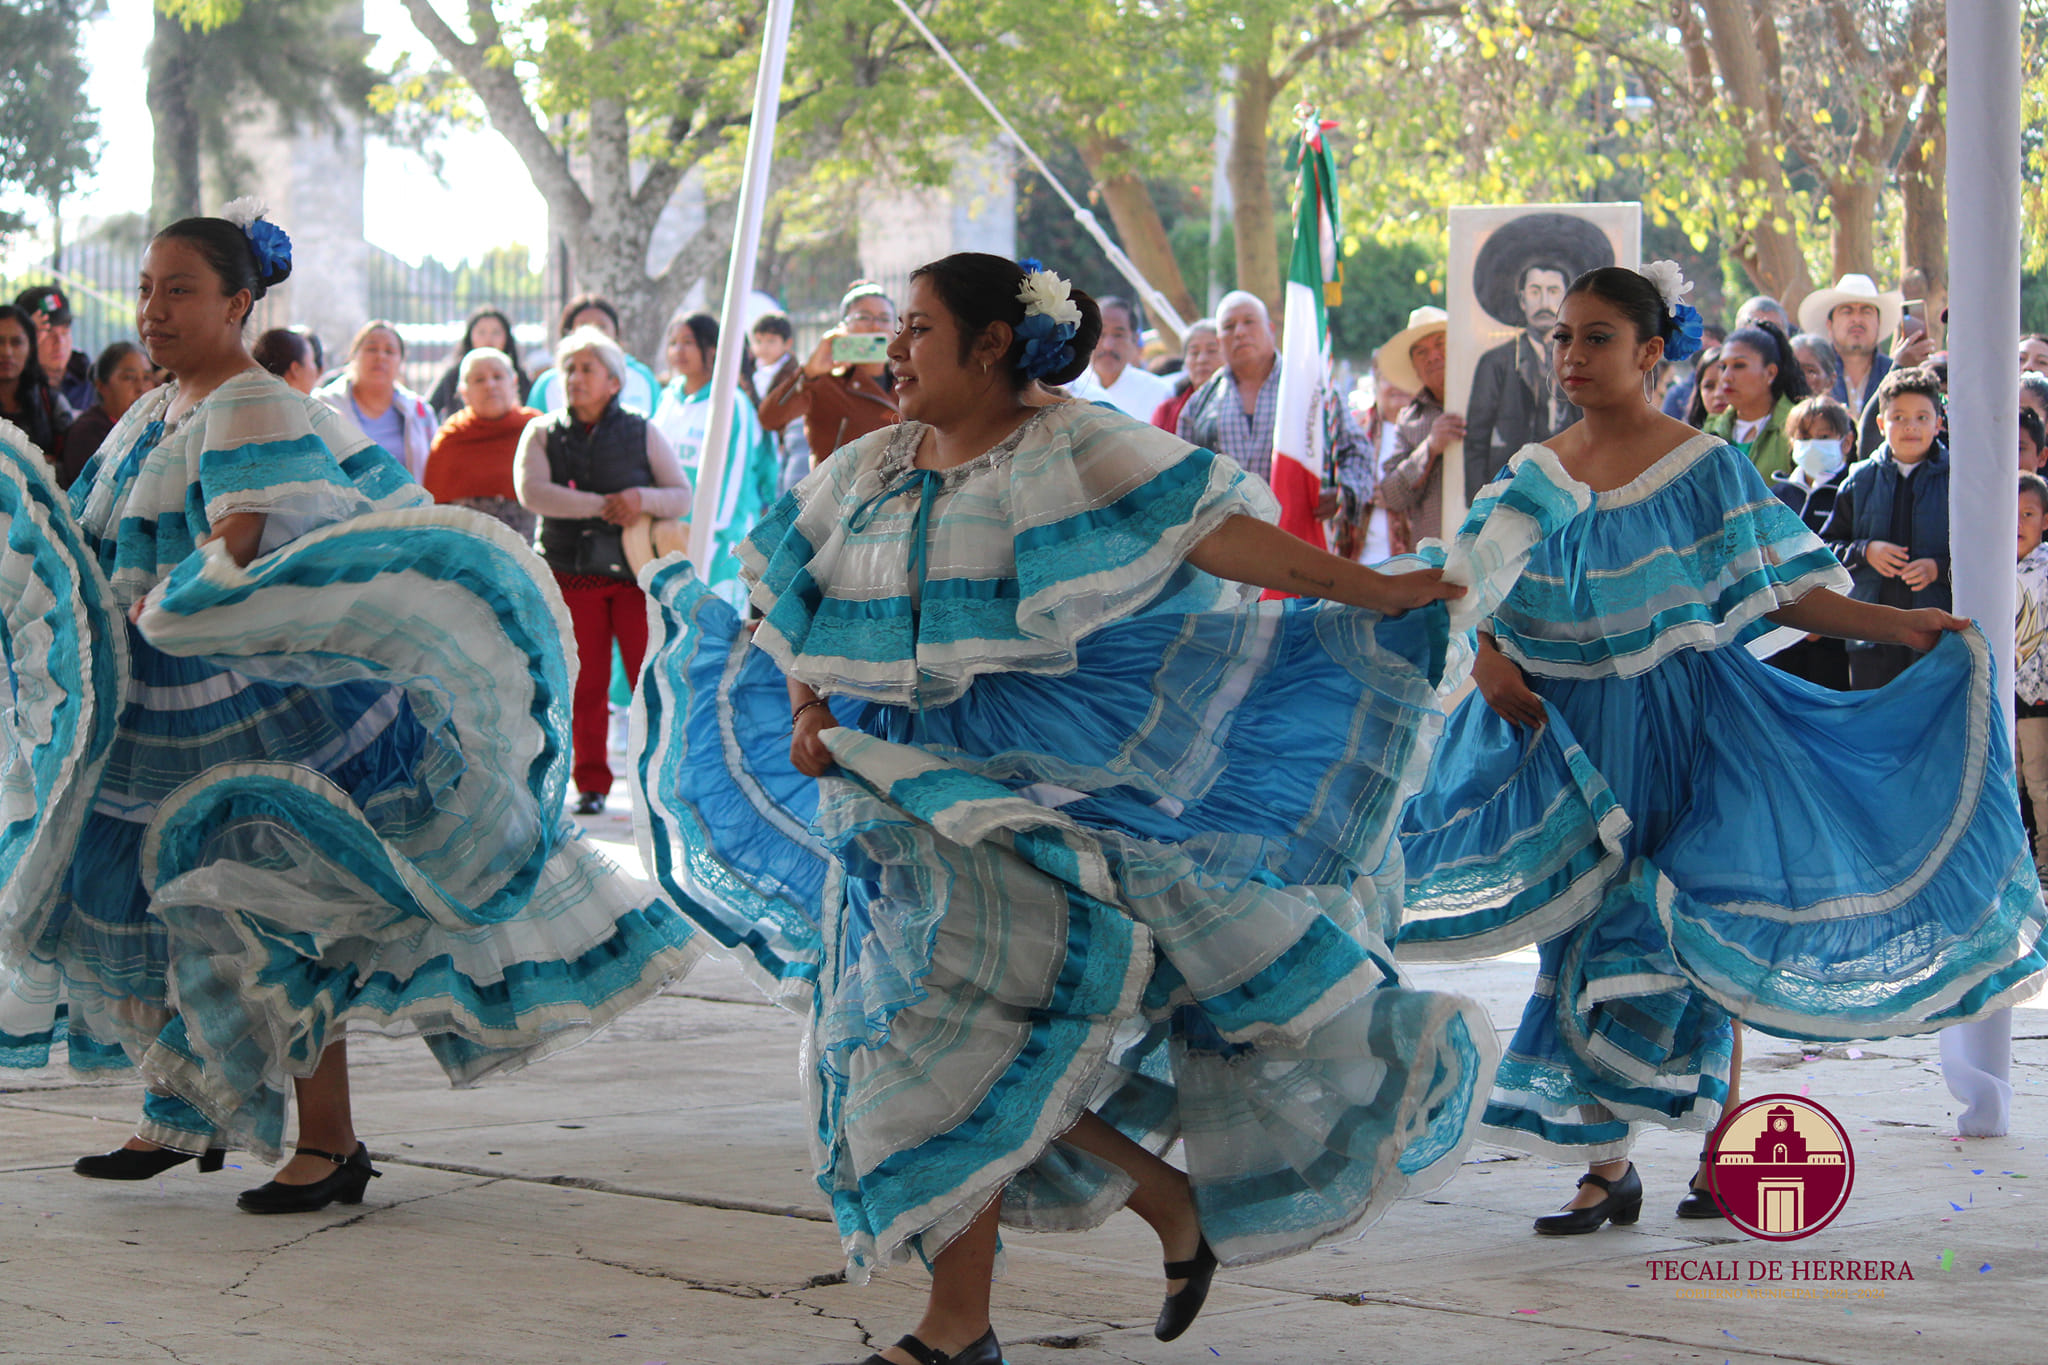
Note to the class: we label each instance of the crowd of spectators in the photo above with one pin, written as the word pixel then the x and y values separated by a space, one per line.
pixel 1845 416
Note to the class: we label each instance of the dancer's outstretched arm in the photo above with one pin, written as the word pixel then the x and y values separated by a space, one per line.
pixel 241 532
pixel 1826 612
pixel 1247 550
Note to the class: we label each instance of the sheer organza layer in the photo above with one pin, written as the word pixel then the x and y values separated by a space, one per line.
pixel 332 798
pixel 1159 886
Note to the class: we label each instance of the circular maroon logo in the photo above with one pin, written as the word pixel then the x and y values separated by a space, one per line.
pixel 1780 1167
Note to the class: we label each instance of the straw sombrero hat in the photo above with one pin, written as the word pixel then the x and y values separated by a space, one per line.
pixel 1815 307
pixel 649 538
pixel 1392 361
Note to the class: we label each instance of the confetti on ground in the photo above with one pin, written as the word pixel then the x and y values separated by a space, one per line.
pixel 1978 1172
pixel 1214 1352
pixel 1730 1335
pixel 1984 1269
pixel 1954 1205
pixel 1528 1310
pixel 1947 1259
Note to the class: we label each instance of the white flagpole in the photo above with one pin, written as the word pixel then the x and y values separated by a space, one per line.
pixel 739 283
pixel 1984 301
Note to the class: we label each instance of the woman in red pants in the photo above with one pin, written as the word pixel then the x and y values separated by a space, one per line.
pixel 589 472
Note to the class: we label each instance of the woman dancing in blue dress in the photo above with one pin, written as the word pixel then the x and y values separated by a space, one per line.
pixel 1075 849
pixel 286 748
pixel 1692 836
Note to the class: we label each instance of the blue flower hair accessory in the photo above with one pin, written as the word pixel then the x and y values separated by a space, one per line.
pixel 1683 331
pixel 1051 317
pixel 1685 334
pixel 271 246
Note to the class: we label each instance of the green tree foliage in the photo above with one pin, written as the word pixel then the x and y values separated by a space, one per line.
pixel 47 136
pixel 214 62
pixel 2034 144
pixel 609 103
pixel 1788 133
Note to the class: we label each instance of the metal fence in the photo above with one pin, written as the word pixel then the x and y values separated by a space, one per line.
pixel 98 278
pixel 429 304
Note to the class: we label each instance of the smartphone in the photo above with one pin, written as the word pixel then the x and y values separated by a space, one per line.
pixel 860 348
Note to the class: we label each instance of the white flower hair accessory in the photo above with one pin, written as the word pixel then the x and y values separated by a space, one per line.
pixel 1684 332
pixel 244 211
pixel 1671 283
pixel 268 242
pixel 1046 294
pixel 1051 317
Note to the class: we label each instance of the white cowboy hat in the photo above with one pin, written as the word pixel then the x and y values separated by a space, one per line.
pixel 1392 358
pixel 1815 307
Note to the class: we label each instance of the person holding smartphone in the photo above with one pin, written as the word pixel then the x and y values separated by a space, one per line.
pixel 842 392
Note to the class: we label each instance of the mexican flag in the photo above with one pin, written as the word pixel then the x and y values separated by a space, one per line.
pixel 1314 278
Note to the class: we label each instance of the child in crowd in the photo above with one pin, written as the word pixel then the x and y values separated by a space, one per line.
pixel 2033 441
pixel 1823 448
pixel 1889 526
pixel 2030 660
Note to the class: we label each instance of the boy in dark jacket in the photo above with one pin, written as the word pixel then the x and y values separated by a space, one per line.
pixel 1889 526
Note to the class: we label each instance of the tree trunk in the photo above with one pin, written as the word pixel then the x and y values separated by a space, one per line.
pixel 1852 228
pixel 174 182
pixel 1923 176
pixel 1770 256
pixel 1138 224
pixel 1258 255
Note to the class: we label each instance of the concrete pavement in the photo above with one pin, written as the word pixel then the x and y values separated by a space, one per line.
pixel 647 1198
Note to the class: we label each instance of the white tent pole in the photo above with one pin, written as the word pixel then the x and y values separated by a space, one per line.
pixel 1984 309
pixel 1162 310
pixel 739 283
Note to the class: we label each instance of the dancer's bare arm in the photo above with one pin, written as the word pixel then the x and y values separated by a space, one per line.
pixel 1247 550
pixel 1826 612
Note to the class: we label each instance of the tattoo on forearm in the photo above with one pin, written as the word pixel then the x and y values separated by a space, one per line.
pixel 1324 583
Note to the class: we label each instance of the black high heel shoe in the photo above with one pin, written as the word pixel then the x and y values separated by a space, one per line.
pixel 352 1175
pixel 1699 1200
pixel 1177 1314
pixel 127 1163
pixel 1622 1206
pixel 986 1351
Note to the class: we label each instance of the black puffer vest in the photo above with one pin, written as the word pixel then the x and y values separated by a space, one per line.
pixel 609 457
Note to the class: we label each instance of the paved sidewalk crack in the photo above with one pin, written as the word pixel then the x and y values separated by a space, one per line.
pixel 583 1182
pixel 265 1256
pixel 867 1337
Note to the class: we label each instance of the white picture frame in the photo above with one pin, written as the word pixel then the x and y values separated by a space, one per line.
pixel 1492 248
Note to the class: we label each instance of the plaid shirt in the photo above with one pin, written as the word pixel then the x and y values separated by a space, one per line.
pixel 2030 669
pixel 1215 419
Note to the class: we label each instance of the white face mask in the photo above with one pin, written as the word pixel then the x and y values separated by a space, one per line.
pixel 1818 459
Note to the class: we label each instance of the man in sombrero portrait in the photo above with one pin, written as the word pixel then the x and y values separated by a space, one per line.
pixel 1520 280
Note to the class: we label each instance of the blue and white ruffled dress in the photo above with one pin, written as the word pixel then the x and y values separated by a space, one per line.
pixel 1695 835
pixel 1103 835
pixel 321 791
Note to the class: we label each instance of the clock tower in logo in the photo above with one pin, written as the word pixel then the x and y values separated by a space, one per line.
pixel 1781 1167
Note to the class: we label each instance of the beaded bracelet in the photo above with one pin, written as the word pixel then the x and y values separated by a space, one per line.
pixel 798 714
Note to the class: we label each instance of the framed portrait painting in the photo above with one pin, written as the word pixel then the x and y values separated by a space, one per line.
pixel 1509 268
